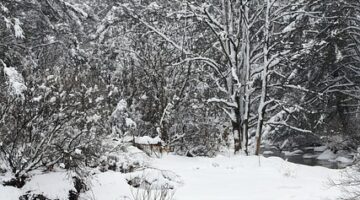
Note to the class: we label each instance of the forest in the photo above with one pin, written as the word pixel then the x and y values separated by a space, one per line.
pixel 146 95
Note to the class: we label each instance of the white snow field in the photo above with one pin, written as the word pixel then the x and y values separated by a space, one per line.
pixel 200 178
pixel 232 178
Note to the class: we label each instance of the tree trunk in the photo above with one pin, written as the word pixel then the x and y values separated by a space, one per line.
pixel 263 103
pixel 247 92
pixel 237 136
pixel 258 134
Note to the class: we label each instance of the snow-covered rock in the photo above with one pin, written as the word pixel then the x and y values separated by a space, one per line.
pixel 344 160
pixel 268 152
pixel 320 148
pixel 327 155
pixel 292 153
pixel 309 156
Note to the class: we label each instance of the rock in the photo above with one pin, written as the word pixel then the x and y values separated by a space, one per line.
pixel 293 153
pixel 327 155
pixel 268 153
pixel 320 148
pixel 309 156
pixel 344 160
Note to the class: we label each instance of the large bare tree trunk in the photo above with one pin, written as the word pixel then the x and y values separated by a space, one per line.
pixel 264 83
pixel 247 92
pixel 237 137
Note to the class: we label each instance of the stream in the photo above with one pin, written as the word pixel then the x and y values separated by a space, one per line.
pixel 306 156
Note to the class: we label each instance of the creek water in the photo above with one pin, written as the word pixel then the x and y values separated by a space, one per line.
pixel 310 157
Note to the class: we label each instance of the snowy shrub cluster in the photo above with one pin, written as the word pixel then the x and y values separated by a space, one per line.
pixel 126 160
pixel 152 194
pixel 154 179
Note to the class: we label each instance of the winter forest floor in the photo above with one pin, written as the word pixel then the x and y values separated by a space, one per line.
pixel 200 178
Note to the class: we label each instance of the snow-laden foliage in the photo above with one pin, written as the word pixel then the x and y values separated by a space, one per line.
pixel 199 76
pixel 15 81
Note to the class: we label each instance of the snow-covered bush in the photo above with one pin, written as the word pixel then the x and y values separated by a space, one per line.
pixel 154 178
pixel 349 181
pixel 122 124
pixel 30 196
pixel 51 110
pixel 123 158
pixel 152 194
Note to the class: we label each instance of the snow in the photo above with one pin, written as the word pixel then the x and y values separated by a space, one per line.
pixel 9 193
pixel 3 8
pixel 296 152
pixel 309 156
pixel 16 81
pixel 290 27
pixel 339 55
pixel 78 151
pixel 268 152
pixel 320 149
pixel 99 99
pixel 93 118
pixel 121 106
pixel 54 185
pixel 77 9
pixel 7 22
pixel 108 186
pixel 340 156
pixel 144 97
pixel 229 177
pixel 126 139
pixel 156 178
pixel 19 33
pixel 272 179
pixel 130 123
pixel 52 99
pixel 200 178
pixel 37 99
pixel 154 6
pixel 327 155
pixel 148 140
pixel 344 160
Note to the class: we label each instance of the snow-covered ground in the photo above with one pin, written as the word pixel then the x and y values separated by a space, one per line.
pixel 200 178
pixel 232 178
pixel 54 185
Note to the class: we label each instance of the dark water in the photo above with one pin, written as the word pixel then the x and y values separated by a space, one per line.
pixel 299 159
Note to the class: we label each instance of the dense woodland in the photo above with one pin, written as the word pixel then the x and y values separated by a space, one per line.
pixel 202 75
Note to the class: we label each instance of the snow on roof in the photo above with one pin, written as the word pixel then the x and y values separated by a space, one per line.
pixel 148 140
